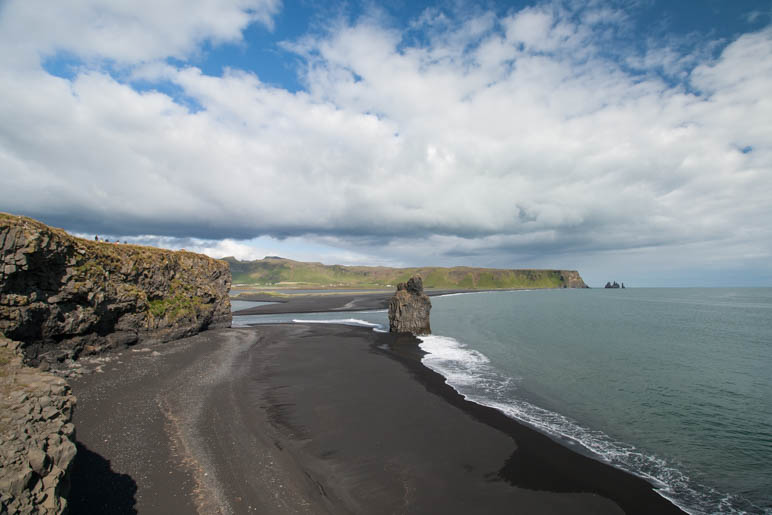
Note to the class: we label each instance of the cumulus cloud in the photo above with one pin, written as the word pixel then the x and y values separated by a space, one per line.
pixel 510 139
pixel 126 31
pixel 214 248
pixel 325 250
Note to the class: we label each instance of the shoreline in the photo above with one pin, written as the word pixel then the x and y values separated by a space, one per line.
pixel 319 419
pixel 326 301
pixel 543 463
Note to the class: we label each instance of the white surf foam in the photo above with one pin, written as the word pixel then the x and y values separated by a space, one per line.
pixel 457 294
pixel 476 293
pixel 470 373
pixel 459 365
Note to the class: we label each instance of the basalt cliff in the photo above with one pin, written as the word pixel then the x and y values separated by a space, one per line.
pixel 62 296
pixel 571 279
pixel 409 308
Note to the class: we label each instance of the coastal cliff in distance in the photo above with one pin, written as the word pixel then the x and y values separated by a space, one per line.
pixel 280 272
pixel 62 296
pixel 409 308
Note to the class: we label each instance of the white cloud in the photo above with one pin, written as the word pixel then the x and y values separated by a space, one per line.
pixel 214 248
pixel 532 27
pixel 126 31
pixel 500 139
pixel 228 247
pixel 326 249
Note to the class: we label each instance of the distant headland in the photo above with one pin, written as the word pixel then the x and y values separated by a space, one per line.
pixel 274 271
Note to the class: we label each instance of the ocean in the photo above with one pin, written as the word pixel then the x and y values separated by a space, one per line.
pixel 671 384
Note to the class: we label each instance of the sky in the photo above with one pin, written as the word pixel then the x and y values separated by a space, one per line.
pixel 630 140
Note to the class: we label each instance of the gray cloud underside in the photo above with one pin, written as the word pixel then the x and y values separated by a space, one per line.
pixel 500 134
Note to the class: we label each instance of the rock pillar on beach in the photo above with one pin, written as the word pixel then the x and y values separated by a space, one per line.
pixel 409 308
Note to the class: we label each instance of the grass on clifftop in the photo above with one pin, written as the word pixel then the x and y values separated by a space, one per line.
pixel 279 272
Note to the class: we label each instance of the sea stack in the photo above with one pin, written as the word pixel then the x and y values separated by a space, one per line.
pixel 409 308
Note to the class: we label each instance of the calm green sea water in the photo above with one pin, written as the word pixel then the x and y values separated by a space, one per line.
pixel 671 384
pixel 675 384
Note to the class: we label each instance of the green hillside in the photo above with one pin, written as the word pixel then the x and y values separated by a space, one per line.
pixel 280 272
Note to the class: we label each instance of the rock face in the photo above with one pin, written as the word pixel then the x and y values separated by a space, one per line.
pixel 409 308
pixel 572 279
pixel 36 436
pixel 62 296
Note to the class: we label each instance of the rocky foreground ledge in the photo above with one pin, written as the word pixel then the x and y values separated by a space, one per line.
pixel 36 436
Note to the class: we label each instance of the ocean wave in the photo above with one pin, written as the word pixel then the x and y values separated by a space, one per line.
pixel 459 365
pixel 476 293
pixel 457 294
pixel 470 373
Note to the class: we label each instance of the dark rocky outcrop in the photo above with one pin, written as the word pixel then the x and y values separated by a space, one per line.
pixel 36 436
pixel 571 279
pixel 409 308
pixel 62 296
pixel 614 285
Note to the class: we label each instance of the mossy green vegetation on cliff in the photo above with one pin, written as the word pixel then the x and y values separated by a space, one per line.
pixel 280 272
pixel 179 302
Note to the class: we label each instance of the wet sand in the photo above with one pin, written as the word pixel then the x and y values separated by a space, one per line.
pixel 316 419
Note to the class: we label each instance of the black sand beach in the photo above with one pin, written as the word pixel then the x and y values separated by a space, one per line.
pixel 316 419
